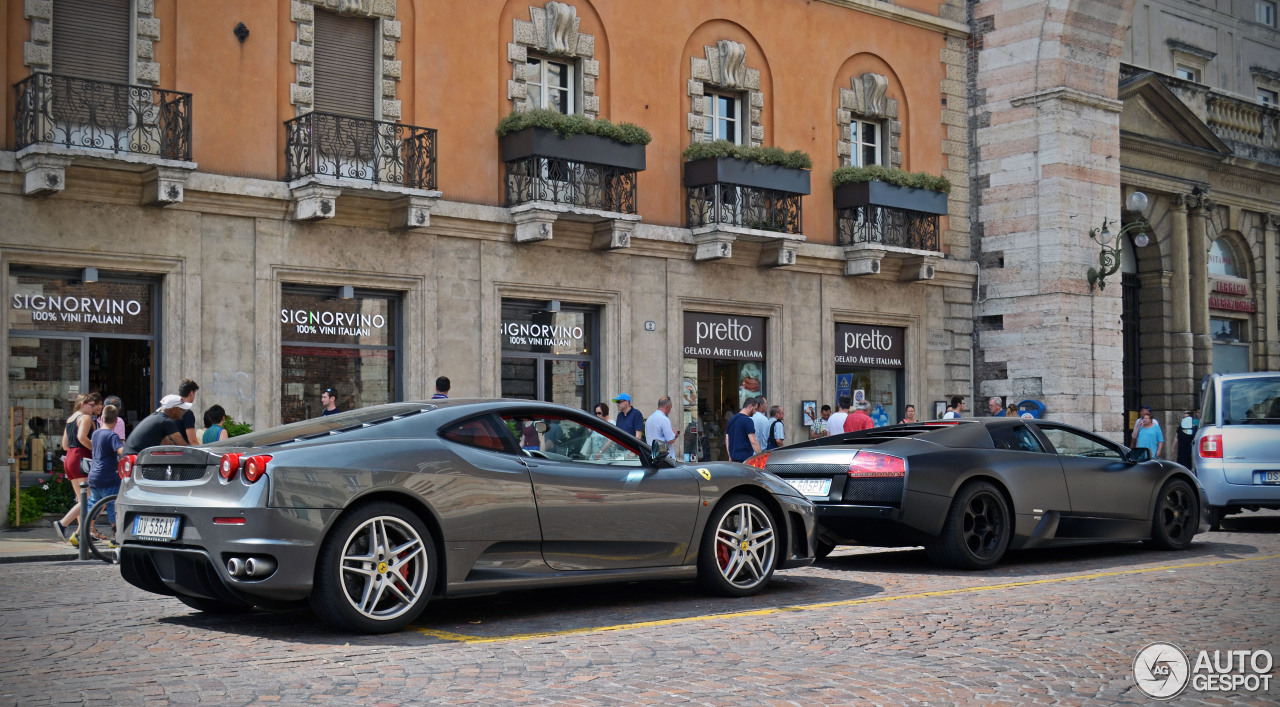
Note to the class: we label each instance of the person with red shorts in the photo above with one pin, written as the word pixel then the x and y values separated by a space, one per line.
pixel 75 439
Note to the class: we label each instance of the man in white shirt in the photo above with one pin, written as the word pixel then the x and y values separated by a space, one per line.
pixel 658 426
pixel 957 407
pixel 761 421
pixel 835 423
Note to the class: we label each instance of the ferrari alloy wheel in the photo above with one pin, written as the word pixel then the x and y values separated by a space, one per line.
pixel 1177 516
pixel 977 529
pixel 739 548
pixel 376 570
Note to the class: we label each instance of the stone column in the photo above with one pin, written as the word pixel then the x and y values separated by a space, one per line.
pixel 1182 380
pixel 1201 207
pixel 1271 290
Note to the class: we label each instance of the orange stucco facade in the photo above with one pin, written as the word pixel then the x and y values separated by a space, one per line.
pixel 455 73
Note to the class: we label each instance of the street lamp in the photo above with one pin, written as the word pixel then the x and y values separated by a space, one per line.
pixel 1109 256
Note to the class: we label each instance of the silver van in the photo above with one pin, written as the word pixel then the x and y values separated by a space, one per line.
pixel 1236 453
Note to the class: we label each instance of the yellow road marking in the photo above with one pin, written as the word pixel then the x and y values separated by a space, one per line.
pixel 464 638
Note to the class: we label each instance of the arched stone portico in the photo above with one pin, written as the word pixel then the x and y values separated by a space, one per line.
pixel 1046 154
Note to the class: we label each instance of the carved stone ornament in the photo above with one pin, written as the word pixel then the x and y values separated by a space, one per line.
pixel 1273 221
pixel 561 28
pixel 732 64
pixel 867 98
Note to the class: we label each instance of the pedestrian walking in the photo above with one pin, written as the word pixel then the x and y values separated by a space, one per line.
pixel 213 419
pixel 995 408
pixel 1147 433
pixel 329 402
pixel 160 427
pixel 1186 435
pixel 118 428
pixel 835 425
pixel 629 419
pixel 740 434
pixel 910 417
pixel 76 440
pixel 777 431
pixel 442 388
pixel 761 421
pixel 955 408
pixel 187 391
pixel 1012 411
pixel 103 479
pixel 859 419
pixel 658 427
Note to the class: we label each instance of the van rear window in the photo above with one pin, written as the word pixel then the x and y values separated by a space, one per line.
pixel 1251 401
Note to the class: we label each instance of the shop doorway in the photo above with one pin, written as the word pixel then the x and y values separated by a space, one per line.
pixel 712 394
pixel 122 367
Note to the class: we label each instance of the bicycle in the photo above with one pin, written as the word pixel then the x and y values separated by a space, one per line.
pixel 101 545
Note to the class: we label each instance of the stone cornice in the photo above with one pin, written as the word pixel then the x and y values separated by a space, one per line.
pixel 1190 49
pixel 913 18
pixel 1069 95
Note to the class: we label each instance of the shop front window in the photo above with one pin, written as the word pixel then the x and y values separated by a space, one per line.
pixel 1230 347
pixel 549 353
pixel 869 368
pixel 67 337
pixel 348 345
pixel 724 365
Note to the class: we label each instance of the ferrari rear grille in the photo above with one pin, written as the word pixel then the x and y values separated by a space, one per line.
pixel 172 472
pixel 793 470
pixel 874 491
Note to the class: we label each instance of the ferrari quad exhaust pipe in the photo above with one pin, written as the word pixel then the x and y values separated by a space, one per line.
pixel 235 567
pixel 259 566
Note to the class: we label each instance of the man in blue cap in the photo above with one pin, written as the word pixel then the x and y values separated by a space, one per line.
pixel 629 418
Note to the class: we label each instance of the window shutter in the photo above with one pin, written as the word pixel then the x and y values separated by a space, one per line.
pixel 344 65
pixel 91 39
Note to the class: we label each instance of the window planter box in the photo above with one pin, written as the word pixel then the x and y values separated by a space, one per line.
pixel 730 170
pixel 889 196
pixel 591 149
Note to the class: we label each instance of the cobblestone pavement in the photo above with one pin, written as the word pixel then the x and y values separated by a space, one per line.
pixel 1047 627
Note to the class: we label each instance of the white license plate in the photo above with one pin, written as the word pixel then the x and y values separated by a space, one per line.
pixel 1271 477
pixel 814 488
pixel 155 527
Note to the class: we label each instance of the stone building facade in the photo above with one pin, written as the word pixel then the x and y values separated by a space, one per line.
pixel 227 224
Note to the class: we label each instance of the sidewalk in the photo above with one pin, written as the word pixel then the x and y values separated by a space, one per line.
pixel 33 543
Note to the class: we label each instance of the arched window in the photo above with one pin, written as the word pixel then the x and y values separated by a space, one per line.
pixel 1222 259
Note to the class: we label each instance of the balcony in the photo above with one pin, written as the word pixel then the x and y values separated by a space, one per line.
pixel 729 199
pixel 327 154
pixel 580 177
pixel 58 119
pixel 875 219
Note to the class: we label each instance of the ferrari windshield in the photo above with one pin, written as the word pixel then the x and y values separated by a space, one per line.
pixel 321 426
pixel 1251 401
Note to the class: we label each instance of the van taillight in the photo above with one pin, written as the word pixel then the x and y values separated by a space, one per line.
pixel 256 467
pixel 1211 447
pixel 876 465
pixel 229 465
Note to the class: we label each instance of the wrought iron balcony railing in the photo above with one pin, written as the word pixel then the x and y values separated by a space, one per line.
pixel 882 225
pixel 375 151
pixel 747 207
pixel 81 113
pixel 560 181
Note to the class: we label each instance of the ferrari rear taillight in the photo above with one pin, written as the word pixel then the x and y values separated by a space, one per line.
pixel 758 461
pixel 1211 447
pixel 867 464
pixel 229 465
pixel 125 468
pixel 256 467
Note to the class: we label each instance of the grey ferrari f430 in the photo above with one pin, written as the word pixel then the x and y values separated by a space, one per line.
pixel 968 490
pixel 366 515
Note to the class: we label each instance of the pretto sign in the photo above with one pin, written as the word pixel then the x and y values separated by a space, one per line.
pixel 727 337
pixel 870 346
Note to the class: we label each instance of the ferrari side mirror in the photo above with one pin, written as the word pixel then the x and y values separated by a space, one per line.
pixel 1140 454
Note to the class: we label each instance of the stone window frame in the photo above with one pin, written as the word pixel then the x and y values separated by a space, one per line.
pixel 1190 56
pixel 724 68
pixel 302 51
pixel 1265 79
pixel 866 100
pixel 551 32
pixel 37 54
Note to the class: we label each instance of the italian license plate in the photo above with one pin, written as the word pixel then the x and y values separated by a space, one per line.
pixel 155 527
pixel 1271 477
pixel 814 488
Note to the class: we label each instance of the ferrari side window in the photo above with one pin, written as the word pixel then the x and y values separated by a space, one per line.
pixel 475 433
pixel 562 439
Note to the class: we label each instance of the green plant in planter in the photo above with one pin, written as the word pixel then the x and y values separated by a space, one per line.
pixel 890 175
pixel 796 159
pixel 235 429
pixel 575 124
